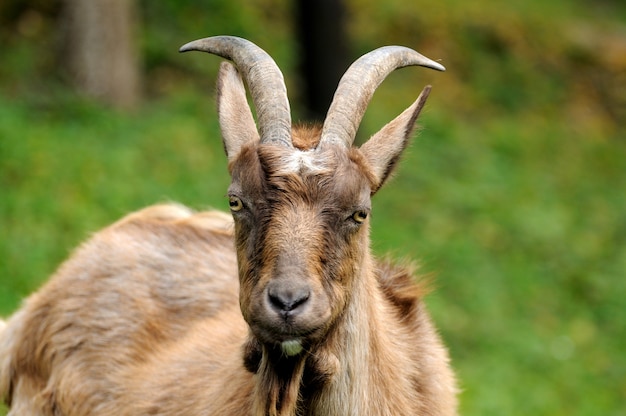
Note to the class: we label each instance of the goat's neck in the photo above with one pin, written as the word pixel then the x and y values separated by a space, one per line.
pixel 368 355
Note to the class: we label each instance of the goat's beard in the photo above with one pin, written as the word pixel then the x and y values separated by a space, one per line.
pixel 283 378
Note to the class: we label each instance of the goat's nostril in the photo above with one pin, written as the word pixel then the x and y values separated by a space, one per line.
pixel 287 300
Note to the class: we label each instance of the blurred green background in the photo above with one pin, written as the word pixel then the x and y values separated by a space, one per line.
pixel 513 195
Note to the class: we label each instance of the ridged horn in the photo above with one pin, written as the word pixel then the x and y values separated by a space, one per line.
pixel 357 86
pixel 264 79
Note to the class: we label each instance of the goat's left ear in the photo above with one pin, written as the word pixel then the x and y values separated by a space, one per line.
pixel 384 148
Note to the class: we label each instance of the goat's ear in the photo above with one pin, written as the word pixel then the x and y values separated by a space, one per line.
pixel 236 120
pixel 384 148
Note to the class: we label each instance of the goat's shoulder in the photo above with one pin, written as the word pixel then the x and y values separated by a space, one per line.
pixel 167 254
pixel 164 264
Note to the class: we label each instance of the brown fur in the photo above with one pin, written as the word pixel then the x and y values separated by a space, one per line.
pixel 306 136
pixel 144 316
pixel 129 341
pixel 281 312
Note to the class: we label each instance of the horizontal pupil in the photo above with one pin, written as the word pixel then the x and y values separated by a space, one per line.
pixel 235 203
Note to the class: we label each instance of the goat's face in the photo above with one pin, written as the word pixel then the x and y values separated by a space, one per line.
pixel 301 229
pixel 301 201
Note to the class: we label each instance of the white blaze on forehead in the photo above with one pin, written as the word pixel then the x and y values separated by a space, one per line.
pixel 309 161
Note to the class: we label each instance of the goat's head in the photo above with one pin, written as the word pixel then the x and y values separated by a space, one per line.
pixel 301 197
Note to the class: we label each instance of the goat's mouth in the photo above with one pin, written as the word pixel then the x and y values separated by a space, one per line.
pixel 291 340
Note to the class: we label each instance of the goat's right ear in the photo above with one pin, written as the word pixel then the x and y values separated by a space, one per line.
pixel 236 120
pixel 384 148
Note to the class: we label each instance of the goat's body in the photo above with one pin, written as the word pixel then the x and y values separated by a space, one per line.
pixel 279 310
pixel 131 290
pixel 127 332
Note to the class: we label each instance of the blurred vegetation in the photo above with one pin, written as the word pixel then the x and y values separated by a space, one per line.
pixel 514 194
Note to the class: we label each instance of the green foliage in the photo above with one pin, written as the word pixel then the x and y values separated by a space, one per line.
pixel 85 166
pixel 513 194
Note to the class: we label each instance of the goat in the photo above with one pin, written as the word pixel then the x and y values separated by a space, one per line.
pixel 278 309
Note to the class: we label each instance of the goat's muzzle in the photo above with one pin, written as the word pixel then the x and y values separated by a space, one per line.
pixel 289 312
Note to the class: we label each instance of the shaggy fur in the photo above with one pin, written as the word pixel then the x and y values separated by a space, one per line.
pixel 143 319
pixel 277 310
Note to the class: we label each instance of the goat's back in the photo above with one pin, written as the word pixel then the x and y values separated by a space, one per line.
pixel 133 288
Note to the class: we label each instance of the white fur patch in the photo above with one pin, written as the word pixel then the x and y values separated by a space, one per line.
pixel 303 161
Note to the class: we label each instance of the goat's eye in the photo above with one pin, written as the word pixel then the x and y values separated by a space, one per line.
pixel 359 216
pixel 235 203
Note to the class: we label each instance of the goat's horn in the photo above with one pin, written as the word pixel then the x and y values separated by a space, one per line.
pixel 264 80
pixel 357 86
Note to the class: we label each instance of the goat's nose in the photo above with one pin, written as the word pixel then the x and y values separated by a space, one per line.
pixel 286 298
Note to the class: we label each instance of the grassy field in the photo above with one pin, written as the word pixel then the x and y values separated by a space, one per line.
pixel 513 196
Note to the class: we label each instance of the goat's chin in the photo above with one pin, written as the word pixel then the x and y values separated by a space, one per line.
pixel 290 341
pixel 292 333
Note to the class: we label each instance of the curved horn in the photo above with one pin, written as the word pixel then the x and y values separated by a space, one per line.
pixel 357 86
pixel 264 79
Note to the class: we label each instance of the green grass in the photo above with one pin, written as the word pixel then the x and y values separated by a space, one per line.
pixel 524 225
pixel 67 172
